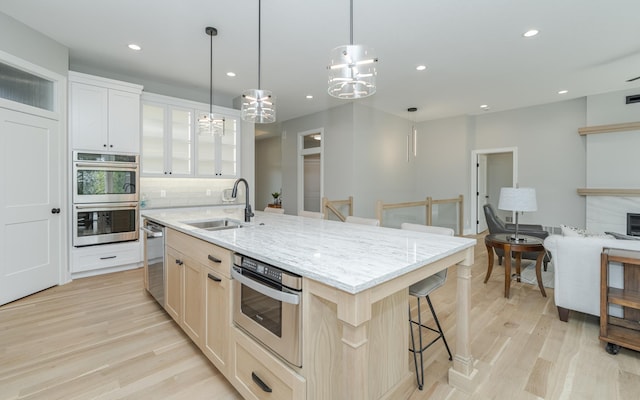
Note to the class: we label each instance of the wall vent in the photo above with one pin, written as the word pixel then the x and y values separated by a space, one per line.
pixel 634 98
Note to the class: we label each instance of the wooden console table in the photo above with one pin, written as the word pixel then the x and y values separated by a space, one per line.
pixel 504 241
pixel 623 331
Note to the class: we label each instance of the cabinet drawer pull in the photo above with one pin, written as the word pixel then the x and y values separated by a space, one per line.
pixel 213 278
pixel 179 262
pixel 259 382
pixel 107 258
pixel 215 260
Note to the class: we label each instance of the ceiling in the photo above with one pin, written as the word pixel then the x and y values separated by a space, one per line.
pixel 474 50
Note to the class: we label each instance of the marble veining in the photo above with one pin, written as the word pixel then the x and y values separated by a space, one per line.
pixel 349 257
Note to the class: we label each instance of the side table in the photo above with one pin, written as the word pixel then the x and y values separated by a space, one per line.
pixel 503 241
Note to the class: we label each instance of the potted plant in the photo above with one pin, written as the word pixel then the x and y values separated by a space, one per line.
pixel 276 196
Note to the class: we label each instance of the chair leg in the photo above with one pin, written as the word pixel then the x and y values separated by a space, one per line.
pixel 422 348
pixel 413 348
pixel 499 260
pixel 435 317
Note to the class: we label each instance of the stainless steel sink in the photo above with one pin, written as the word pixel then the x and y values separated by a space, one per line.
pixel 214 224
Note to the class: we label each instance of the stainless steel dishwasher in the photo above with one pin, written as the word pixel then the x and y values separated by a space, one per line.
pixel 154 258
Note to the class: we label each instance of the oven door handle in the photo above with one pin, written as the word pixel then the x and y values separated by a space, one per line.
pixel 101 166
pixel 128 206
pixel 151 233
pixel 265 290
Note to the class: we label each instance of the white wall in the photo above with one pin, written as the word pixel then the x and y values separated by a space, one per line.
pixel 551 156
pixel 339 167
pixel 612 161
pixel 21 41
pixel 365 156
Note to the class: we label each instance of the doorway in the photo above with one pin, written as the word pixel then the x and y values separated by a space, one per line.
pixel 492 169
pixel 310 170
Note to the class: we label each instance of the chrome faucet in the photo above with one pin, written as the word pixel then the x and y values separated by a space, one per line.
pixel 247 209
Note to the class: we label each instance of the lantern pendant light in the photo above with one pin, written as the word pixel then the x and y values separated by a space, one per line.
pixel 258 105
pixel 352 69
pixel 209 124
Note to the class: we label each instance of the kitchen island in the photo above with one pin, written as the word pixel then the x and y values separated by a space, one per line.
pixel 354 305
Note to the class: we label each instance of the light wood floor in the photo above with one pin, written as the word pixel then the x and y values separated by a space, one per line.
pixel 105 338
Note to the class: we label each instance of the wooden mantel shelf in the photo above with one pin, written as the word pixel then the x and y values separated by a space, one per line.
pixel 609 192
pixel 628 126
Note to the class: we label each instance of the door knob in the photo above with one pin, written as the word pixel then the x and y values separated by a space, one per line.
pixel 55 211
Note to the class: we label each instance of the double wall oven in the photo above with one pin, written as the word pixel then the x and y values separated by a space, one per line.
pixel 105 198
pixel 267 305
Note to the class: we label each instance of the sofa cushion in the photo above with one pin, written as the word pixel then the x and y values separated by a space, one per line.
pixel 577 232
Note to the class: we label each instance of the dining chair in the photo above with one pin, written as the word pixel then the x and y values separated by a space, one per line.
pixel 274 210
pixel 422 289
pixel 310 214
pixel 362 221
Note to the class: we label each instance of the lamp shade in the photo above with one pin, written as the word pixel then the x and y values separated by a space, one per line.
pixel 517 199
pixel 352 72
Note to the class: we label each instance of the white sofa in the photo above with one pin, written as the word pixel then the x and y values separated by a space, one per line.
pixel 576 261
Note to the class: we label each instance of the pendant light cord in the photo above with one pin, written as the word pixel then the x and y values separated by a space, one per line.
pixel 351 23
pixel 210 75
pixel 259 44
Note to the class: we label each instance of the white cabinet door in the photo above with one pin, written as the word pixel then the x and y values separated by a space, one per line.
pixel 217 155
pixel 88 116
pixel 30 227
pixel 104 114
pixel 124 121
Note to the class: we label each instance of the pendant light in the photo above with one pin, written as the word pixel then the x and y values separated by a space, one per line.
pixel 413 132
pixel 209 124
pixel 258 105
pixel 352 69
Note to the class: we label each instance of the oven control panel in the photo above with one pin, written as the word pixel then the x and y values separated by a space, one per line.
pixel 269 272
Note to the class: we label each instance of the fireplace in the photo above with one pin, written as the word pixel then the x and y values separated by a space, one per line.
pixel 633 224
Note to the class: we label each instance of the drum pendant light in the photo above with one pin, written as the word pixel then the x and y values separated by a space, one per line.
pixel 352 69
pixel 258 105
pixel 210 124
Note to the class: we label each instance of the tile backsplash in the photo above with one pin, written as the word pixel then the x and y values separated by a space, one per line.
pixel 185 192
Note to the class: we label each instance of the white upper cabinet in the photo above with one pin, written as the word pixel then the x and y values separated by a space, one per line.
pixel 172 145
pixel 104 115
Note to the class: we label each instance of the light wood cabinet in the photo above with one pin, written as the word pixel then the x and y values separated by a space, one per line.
pixel 217 318
pixel 198 293
pixel 257 374
pixel 623 331
pixel 104 115
pixel 193 307
pixel 173 284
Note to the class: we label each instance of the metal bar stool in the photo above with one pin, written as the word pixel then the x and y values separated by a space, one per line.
pixel 423 289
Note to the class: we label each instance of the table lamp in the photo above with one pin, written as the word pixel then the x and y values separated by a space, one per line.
pixel 518 200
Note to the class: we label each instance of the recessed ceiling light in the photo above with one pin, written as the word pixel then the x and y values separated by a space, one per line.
pixel 309 96
pixel 563 92
pixel 134 46
pixel 530 33
pixel 421 67
pixel 231 74
pixel 484 106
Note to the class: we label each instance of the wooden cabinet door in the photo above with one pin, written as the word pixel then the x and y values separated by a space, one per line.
pixel 193 316
pixel 173 285
pixel 217 319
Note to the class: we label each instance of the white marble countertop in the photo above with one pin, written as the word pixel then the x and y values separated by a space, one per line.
pixel 349 257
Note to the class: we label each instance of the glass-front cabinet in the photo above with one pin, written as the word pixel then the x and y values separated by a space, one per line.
pixel 172 145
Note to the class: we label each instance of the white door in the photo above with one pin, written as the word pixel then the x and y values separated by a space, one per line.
pixel 482 192
pixel 30 195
